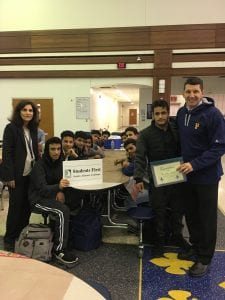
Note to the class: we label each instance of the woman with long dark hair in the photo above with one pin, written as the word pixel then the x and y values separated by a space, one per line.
pixel 20 151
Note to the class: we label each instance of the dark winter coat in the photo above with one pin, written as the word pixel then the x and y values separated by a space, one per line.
pixel 155 144
pixel 14 151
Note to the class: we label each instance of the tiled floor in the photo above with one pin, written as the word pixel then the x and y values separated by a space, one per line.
pixel 172 272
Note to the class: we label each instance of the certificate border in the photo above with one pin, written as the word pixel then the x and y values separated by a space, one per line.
pixel 153 164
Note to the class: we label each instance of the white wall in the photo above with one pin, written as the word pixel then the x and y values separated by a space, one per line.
pixel 104 113
pixel 175 12
pixel 57 14
pixel 63 92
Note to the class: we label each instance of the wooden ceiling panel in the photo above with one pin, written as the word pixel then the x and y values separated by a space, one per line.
pixel 198 71
pixel 175 39
pixel 82 60
pixel 119 39
pixel 220 36
pixel 77 74
pixel 195 57
pixel 13 44
pixel 69 42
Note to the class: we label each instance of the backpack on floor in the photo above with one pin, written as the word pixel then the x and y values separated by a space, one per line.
pixel 85 230
pixel 35 241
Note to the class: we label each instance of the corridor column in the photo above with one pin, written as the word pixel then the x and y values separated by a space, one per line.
pixel 162 75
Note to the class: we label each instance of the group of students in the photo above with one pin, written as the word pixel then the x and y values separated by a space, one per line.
pixel 198 135
pixel 83 145
pixel 36 182
pixel 125 194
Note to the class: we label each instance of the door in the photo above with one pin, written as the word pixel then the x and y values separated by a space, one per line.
pixel 132 116
pixel 45 106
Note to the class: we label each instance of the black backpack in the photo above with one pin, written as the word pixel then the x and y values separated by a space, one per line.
pixel 85 230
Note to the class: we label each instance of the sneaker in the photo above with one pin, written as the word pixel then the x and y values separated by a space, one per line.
pixel 66 257
pixel 198 269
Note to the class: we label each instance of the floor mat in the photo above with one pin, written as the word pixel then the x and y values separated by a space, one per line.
pixel 166 278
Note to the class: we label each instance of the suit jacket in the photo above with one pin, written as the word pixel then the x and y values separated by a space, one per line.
pixel 14 151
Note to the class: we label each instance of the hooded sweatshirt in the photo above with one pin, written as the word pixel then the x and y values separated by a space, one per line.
pixel 202 136
pixel 45 177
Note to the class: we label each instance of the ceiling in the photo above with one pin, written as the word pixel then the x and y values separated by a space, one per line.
pixel 120 92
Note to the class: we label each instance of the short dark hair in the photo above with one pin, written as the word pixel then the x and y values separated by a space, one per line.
pixel 16 117
pixel 194 81
pixel 80 134
pixel 67 133
pixel 106 132
pixel 54 140
pixel 129 141
pixel 96 131
pixel 160 103
pixel 132 129
pixel 88 136
pixel 50 141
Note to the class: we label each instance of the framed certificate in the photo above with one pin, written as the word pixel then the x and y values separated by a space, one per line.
pixel 165 171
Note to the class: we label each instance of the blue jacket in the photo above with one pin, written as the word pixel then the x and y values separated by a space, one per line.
pixel 202 136
pixel 129 170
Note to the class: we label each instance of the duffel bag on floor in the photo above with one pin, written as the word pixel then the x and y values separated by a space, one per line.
pixel 85 230
pixel 35 241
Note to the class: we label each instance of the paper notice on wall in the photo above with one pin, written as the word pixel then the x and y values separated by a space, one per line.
pixel 83 172
pixel 82 107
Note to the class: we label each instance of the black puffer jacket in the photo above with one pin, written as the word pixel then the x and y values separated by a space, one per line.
pixel 155 144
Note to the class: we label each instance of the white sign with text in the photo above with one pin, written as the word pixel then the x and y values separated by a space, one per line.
pixel 83 172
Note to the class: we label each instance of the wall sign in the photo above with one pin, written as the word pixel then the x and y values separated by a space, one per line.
pixel 82 107
pixel 83 172
pixel 121 65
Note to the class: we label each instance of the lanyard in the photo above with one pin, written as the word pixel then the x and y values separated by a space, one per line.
pixel 29 145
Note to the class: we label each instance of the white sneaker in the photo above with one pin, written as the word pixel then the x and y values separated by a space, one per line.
pixel 66 257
